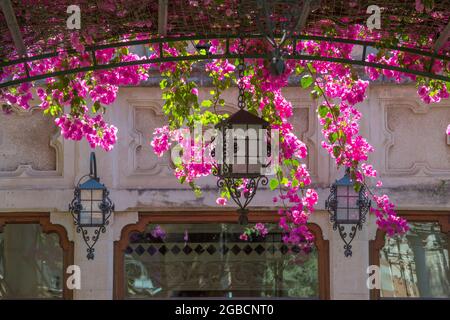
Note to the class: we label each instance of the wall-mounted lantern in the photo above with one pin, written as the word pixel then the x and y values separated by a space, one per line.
pixel 91 207
pixel 347 207
pixel 242 152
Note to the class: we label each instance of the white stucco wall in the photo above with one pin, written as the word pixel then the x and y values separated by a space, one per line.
pixel 38 175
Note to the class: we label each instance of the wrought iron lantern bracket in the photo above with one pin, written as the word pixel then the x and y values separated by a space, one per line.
pixel 106 207
pixel 363 204
pixel 240 185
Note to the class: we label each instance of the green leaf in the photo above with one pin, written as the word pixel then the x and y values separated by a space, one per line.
pixel 335 111
pixel 299 70
pixel 273 184
pixel 336 151
pixel 333 137
pixel 163 84
pixel 284 181
pixel 306 81
pixel 96 106
pixel 323 111
pixel 206 103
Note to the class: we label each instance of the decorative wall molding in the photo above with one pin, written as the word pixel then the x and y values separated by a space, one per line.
pixel 138 140
pixel 413 109
pixel 31 169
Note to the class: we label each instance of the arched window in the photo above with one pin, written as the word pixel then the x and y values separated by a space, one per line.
pixel 33 257
pixel 415 265
pixel 208 259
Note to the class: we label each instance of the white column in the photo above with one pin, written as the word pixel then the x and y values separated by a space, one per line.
pixel 96 275
pixel 348 275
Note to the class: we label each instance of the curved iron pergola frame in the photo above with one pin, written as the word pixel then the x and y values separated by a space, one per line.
pixel 227 55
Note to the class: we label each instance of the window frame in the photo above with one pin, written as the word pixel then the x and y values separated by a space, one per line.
pixel 180 217
pixel 43 219
pixel 440 217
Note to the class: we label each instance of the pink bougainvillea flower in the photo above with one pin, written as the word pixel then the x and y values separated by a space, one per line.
pixel 221 201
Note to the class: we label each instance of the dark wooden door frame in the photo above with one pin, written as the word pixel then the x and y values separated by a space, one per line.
pixel 146 218
pixel 43 219
pixel 441 217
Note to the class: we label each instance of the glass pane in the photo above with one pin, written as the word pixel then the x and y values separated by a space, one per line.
pixel 416 265
pixel 240 131
pixel 86 195
pixel 342 214
pixel 209 260
pixel 97 218
pixel 342 191
pixel 253 148
pixel 31 263
pixel 353 214
pixel 85 217
pixel 240 160
pixel 96 194
pixel 252 160
pixel 87 205
pixel 240 147
pixel 352 202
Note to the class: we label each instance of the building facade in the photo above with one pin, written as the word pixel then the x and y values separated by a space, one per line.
pixel 162 241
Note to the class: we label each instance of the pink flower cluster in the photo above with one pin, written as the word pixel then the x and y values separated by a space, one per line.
pixel 221 68
pixel 158 232
pixel 258 230
pixel 387 220
pixel 100 86
pixel 96 131
pixel 160 142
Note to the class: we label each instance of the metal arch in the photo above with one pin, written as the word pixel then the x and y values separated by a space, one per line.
pixel 227 55
pixel 13 26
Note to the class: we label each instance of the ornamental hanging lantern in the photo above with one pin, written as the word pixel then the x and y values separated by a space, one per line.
pixel 347 207
pixel 242 153
pixel 91 207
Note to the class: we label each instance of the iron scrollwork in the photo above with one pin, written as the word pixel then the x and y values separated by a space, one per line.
pixel 364 205
pixel 241 193
pixel 106 206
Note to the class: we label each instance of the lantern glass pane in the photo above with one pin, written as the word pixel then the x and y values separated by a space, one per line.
pixel 253 132
pixel 342 191
pixel 90 201
pixel 353 214
pixel 352 202
pixel 253 148
pixel 352 192
pixel 252 160
pixel 91 194
pixel 97 218
pixel 341 214
pixel 240 160
pixel 86 205
pixel 85 217
pixel 97 194
pixel 239 147
pixel 240 131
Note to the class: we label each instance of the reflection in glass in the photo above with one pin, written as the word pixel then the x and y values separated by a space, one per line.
pixel 209 260
pixel 31 263
pixel 417 264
